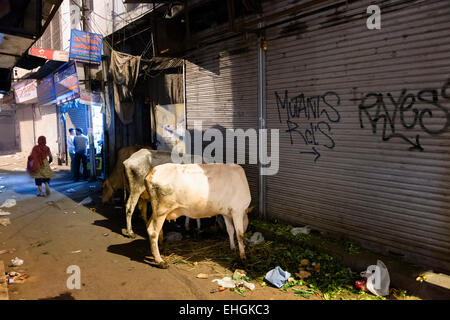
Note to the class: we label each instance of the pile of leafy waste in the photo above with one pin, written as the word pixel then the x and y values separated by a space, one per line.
pixel 330 280
pixel 326 276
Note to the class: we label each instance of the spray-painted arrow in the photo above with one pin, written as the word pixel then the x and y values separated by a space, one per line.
pixel 315 152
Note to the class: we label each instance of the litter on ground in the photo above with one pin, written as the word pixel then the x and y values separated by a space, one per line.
pixel 16 277
pixel 85 201
pixel 16 262
pixel 227 282
pixel 4 222
pixel 376 279
pixel 277 276
pixel 302 230
pixel 4 213
pixel 256 238
pixel 7 251
pixel 8 203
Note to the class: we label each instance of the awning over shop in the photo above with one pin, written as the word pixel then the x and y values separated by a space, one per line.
pixel 21 23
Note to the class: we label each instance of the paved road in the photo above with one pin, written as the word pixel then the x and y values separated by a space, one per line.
pixel 50 234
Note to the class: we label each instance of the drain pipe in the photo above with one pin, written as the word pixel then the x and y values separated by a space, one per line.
pixel 262 47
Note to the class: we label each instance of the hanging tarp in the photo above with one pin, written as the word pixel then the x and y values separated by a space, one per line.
pixel 125 70
pixel 86 46
pixel 66 83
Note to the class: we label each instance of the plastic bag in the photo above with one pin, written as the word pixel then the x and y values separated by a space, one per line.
pixel 378 280
pixel 225 282
pixel 277 277
pixel 256 238
pixel 302 230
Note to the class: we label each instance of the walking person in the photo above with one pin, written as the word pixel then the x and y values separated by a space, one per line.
pixel 71 147
pixel 81 143
pixel 39 166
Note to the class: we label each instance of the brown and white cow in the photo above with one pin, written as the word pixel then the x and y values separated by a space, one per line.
pixel 198 191
pixel 115 181
pixel 136 168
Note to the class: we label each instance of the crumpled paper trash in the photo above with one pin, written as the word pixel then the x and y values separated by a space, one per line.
pixel 8 203
pixel 4 213
pixel 16 262
pixel 256 238
pixel 227 282
pixel 302 230
pixel 277 277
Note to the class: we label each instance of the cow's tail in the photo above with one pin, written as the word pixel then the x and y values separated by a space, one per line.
pixel 124 185
pixel 249 209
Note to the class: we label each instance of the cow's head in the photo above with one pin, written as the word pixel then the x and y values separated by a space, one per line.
pixel 107 191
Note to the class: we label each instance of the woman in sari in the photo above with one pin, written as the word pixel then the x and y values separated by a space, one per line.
pixel 39 165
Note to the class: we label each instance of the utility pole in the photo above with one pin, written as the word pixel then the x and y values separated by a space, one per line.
pixel 87 87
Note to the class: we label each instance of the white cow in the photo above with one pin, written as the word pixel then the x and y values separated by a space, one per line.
pixel 198 191
pixel 136 168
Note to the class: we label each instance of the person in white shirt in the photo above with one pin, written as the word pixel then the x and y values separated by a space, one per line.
pixel 71 147
pixel 81 143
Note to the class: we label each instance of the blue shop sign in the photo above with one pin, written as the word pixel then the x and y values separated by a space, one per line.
pixel 46 91
pixel 86 46
pixel 66 83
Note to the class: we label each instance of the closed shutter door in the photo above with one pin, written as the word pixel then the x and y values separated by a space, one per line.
pixel 221 91
pixel 8 141
pixel 79 117
pixel 363 118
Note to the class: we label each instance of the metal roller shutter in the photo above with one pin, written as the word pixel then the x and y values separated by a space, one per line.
pixel 221 91
pixel 8 139
pixel 375 105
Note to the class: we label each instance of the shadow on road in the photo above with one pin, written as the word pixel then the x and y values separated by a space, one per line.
pixel 62 296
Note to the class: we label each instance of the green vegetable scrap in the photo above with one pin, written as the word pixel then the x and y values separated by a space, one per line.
pixel 304 293
pixel 240 291
pixel 40 243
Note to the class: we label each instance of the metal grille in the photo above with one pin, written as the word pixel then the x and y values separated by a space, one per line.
pixel 221 91
pixel 329 79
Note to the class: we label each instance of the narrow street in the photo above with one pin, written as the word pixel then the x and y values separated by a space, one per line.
pixel 310 139
pixel 55 232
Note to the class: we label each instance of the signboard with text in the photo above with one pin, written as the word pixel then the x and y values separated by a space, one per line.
pixel 46 91
pixel 66 83
pixel 86 46
pixel 25 91
pixel 90 98
pixel 49 54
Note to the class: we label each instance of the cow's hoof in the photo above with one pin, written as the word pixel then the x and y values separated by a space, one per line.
pixel 128 234
pixel 163 265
